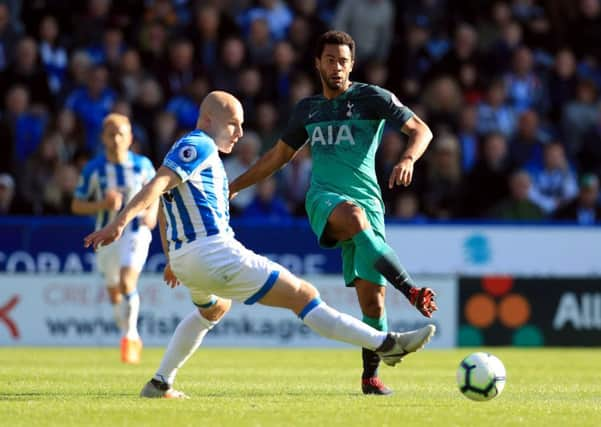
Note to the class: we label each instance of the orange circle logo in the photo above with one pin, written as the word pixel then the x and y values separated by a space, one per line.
pixel 514 310
pixel 480 310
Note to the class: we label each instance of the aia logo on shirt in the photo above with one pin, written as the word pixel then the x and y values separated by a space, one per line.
pixel 332 135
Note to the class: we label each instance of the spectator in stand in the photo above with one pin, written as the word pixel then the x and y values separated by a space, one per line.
pixel 9 35
pixel 185 105
pixel 371 24
pixel 10 201
pixel 275 12
pixel 259 43
pixel 145 108
pixel 556 182
pixel 165 131
pixel 444 102
pixel 464 51
pixel 153 47
pixel 561 83
pixel 443 181
pixel 207 31
pixel 519 205
pixel 26 125
pixel 585 31
pixel 491 28
pixel 58 193
pixel 130 75
pixel 267 125
pixel 585 208
pixel 39 172
pixel 91 104
pixel 387 156
pixel 232 61
pixel 249 92
pixel 525 90
pixel 162 11
pixel 90 27
pixel 245 153
pixel 295 180
pixel 468 138
pixel 580 115
pixel 27 71
pixel 110 50
pixel 509 40
pixel 53 53
pixel 406 208
pixel 278 77
pixel 77 76
pixel 526 147
pixel 589 157
pixel 412 60
pixel 181 70
pixel 266 204
pixel 486 184
pixel 494 115
pixel 306 26
pixel 71 134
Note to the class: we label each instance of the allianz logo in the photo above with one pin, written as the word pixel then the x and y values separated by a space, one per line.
pixel 581 311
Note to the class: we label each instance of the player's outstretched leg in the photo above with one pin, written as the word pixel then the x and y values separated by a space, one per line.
pixel 303 299
pixel 185 340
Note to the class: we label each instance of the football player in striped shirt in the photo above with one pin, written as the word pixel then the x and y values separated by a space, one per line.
pixel 106 184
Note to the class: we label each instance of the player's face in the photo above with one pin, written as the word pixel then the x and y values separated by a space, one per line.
pixel 117 137
pixel 228 128
pixel 335 66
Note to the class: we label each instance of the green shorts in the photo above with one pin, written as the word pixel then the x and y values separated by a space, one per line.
pixel 319 205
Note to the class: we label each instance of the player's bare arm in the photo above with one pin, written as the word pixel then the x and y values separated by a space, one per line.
pixel 150 216
pixel 420 136
pixel 168 274
pixel 113 200
pixel 164 180
pixel 272 161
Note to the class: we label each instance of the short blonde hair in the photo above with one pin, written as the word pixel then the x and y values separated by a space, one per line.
pixel 117 119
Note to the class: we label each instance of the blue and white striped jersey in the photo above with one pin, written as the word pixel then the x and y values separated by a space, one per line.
pixel 100 175
pixel 198 206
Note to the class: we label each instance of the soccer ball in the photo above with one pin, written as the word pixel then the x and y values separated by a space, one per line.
pixel 481 376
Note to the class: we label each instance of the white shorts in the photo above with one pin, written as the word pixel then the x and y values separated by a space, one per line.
pixel 129 251
pixel 222 266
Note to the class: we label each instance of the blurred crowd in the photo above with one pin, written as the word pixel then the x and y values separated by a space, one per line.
pixel 510 89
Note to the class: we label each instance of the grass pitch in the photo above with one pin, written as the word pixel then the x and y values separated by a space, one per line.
pixel 268 387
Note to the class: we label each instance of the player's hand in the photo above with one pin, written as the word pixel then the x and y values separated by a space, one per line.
pixel 423 300
pixel 402 173
pixel 169 277
pixel 104 236
pixel 113 200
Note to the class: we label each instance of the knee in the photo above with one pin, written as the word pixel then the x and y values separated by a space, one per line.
pixel 217 311
pixel 356 219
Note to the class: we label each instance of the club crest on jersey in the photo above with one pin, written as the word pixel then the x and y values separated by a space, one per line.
pixel 187 153
pixel 332 135
pixel 349 109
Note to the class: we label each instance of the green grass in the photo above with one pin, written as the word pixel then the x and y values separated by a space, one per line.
pixel 267 387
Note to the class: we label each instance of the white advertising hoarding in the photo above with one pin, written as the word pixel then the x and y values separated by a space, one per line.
pixel 503 249
pixel 55 310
